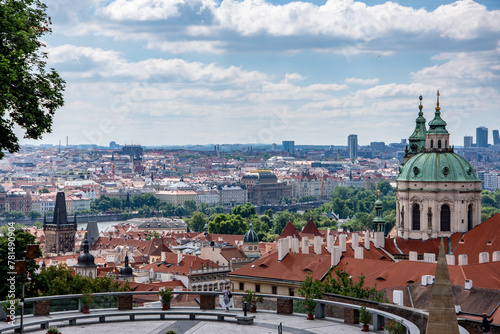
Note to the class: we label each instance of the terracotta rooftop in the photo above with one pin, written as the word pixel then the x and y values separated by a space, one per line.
pixel 289 231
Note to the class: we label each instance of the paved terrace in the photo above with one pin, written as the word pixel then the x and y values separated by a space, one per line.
pixel 205 318
pixel 264 322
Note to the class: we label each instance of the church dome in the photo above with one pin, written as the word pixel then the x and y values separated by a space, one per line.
pixel 86 259
pixel 437 167
pixel 126 270
pixel 250 236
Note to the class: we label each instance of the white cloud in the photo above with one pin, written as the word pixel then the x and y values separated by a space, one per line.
pixel 357 81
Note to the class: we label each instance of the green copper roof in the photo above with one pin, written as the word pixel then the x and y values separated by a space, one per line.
pixel 437 125
pixel 437 166
pixel 417 138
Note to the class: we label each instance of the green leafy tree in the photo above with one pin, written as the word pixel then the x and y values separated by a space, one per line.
pixel 245 211
pixel 38 224
pixel 18 242
pixel 34 214
pixel 227 224
pixel 197 221
pixel 190 206
pixel 29 93
pixel 309 198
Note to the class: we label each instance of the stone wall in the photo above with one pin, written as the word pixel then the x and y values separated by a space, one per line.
pixel 474 326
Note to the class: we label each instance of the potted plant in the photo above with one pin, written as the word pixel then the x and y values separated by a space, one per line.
pixel 394 327
pixel 87 299
pixel 252 299
pixel 365 317
pixel 310 307
pixel 10 306
pixel 53 330
pixel 165 297
pixel 310 289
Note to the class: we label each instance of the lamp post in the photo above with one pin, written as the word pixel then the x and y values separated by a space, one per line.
pixel 20 269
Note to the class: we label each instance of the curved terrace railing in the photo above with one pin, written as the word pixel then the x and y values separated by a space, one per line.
pixel 207 300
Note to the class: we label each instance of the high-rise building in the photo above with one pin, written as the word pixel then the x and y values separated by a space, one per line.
pixel 352 145
pixel 467 141
pixel 496 137
pixel 482 136
pixel 288 146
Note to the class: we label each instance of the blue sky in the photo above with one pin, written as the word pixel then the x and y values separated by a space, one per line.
pixel 174 72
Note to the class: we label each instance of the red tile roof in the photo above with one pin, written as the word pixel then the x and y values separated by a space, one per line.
pixel 294 267
pixel 310 230
pixel 289 231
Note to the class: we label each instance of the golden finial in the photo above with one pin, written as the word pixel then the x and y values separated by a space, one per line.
pixel 378 190
pixel 437 105
pixel 420 106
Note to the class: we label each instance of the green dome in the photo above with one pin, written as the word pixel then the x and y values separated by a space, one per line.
pixel 437 167
pixel 250 236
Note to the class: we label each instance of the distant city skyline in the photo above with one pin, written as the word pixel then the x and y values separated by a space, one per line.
pixel 254 71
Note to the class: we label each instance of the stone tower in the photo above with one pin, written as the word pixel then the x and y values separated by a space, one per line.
pixel 60 234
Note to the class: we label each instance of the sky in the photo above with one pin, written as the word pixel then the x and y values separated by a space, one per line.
pixel 178 72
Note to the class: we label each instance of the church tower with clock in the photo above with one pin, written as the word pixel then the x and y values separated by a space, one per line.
pixel 437 191
pixel 60 234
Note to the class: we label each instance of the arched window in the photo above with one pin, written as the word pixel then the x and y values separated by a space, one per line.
pixel 445 218
pixel 439 143
pixel 432 143
pixel 416 218
pixel 470 225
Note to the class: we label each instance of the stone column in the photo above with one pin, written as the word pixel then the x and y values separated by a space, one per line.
pixel 125 302
pixel 42 307
pixel 207 302
pixel 284 306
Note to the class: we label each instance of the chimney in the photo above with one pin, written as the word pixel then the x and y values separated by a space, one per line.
pixel 468 284
pixel 450 259
pixel 355 241
pixel 484 257
pixel 463 260
pixel 424 280
pixel 358 253
pixel 342 239
pixel 397 297
pixel 329 242
pixel 317 245
pixel 305 245
pixel 295 245
pixel 163 256
pixel 367 240
pixel 496 256
pixel 336 255
pixel 379 239
pixel 430 257
pixel 289 238
pixel 179 257
pixel 413 256
pixel 282 249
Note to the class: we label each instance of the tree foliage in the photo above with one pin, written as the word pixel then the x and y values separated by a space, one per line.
pixel 29 93
pixel 227 224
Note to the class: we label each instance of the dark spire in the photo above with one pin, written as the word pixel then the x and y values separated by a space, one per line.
pixel 60 214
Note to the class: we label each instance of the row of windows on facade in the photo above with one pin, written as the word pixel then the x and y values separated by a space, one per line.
pixel 210 287
pixel 445 220
pixel 208 278
pixel 274 289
